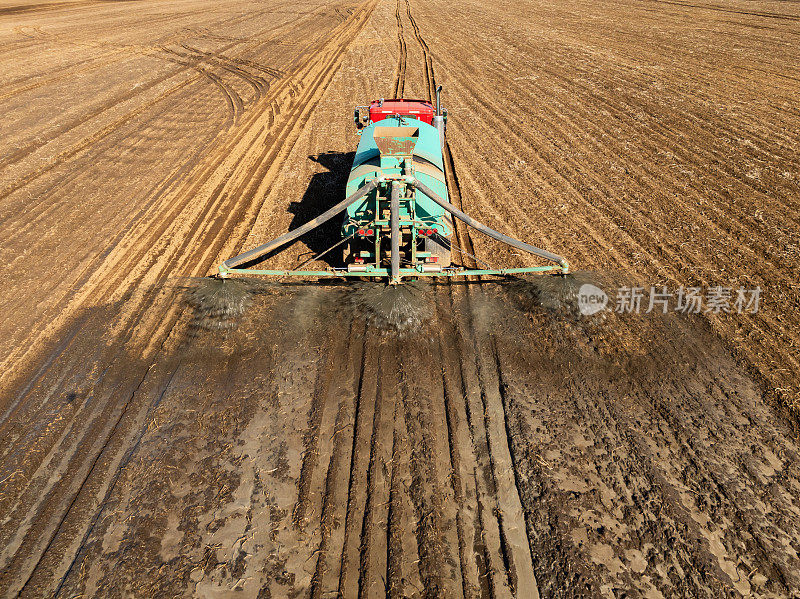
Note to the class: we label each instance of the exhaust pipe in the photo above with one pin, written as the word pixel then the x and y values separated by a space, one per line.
pixel 438 118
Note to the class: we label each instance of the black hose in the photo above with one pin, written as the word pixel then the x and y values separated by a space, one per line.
pixel 486 230
pixel 301 230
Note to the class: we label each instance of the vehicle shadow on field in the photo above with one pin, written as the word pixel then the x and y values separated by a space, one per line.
pixel 325 190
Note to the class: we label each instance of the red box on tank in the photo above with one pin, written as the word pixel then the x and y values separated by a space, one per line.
pixel 419 109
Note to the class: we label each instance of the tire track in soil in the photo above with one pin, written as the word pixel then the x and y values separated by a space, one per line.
pixel 319 72
pixel 373 561
pixel 399 84
pixel 395 533
pixel 329 567
pixel 367 392
pixel 232 99
pixel 163 217
pixel 500 558
pixel 115 53
pixel 655 433
pixel 219 59
pixel 765 15
pixel 229 95
pixel 111 485
pixel 558 557
pixel 427 506
pixel 669 257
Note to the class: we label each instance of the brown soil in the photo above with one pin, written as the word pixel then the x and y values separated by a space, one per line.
pixel 499 444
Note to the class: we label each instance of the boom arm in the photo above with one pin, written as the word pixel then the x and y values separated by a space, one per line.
pixel 395 273
pixel 299 231
pixel 520 245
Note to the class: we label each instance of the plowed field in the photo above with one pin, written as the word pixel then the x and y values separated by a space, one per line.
pixel 502 445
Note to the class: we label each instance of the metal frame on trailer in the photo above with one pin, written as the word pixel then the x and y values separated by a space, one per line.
pixel 371 271
pixel 395 274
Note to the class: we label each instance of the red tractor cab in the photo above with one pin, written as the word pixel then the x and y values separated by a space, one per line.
pixel 381 109
pixel 418 109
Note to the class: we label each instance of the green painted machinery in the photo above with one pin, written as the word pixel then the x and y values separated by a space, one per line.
pixel 398 220
pixel 398 148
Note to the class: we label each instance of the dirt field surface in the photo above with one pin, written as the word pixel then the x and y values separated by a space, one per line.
pixel 437 440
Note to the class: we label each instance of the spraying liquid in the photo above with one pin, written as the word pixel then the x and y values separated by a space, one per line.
pixel 552 293
pixel 218 303
pixel 399 308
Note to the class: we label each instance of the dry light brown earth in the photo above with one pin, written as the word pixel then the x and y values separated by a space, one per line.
pixel 504 446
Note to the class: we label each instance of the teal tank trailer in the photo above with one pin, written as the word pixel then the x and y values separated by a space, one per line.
pixel 402 149
pixel 397 216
